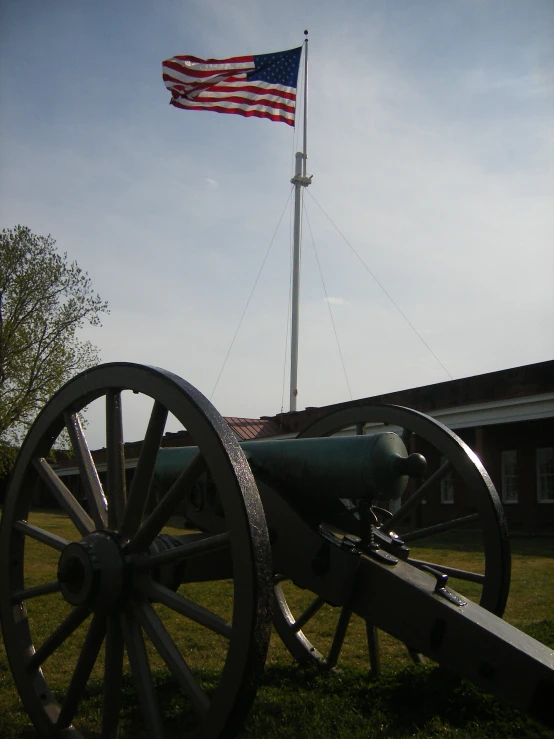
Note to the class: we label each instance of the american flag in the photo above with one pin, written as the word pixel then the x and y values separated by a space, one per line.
pixel 263 86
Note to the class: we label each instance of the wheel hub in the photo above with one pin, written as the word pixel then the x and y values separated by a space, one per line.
pixel 171 575
pixel 91 572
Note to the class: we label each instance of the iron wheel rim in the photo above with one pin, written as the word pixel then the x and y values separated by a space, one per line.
pixel 248 541
pixel 496 549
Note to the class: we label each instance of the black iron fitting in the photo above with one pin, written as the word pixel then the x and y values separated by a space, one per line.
pixel 391 543
pixel 381 556
pixel 440 586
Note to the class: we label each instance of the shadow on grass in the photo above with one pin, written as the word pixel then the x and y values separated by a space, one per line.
pixel 293 703
pixel 417 702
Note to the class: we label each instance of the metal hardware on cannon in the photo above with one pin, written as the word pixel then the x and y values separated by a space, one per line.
pixel 323 513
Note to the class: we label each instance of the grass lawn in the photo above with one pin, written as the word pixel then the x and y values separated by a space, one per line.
pixel 406 701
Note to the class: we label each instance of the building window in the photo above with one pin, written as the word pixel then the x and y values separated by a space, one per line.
pixel 447 486
pixel 509 476
pixel 545 475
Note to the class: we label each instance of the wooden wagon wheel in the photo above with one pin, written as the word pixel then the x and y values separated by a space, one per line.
pixel 105 584
pixel 489 584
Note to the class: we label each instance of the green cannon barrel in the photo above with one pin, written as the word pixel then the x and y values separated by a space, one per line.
pixel 376 466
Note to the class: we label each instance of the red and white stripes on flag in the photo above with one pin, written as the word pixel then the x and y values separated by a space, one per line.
pixel 263 85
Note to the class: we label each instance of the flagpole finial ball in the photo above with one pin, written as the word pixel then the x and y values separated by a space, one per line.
pixel 305 33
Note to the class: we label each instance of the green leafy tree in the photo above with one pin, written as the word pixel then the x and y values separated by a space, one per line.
pixel 44 301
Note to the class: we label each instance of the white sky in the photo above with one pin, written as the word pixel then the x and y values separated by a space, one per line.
pixel 431 145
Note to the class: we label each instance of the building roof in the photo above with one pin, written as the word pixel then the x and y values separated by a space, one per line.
pixel 248 429
pixel 509 394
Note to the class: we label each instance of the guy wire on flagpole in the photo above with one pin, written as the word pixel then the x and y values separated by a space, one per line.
pixel 299 181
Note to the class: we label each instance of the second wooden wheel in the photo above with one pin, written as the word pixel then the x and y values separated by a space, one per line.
pixel 472 517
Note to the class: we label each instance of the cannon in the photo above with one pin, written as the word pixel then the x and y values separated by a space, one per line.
pixel 326 513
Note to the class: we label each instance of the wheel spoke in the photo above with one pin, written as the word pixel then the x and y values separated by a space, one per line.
pixel 415 498
pixel 159 516
pixel 373 649
pixel 140 667
pixel 38 590
pixel 87 470
pixel 142 479
pixel 45 537
pixel 83 522
pixel 440 528
pixel 85 663
pixel 168 651
pixel 309 613
pixel 406 435
pixel 450 571
pixel 113 674
pixel 157 592
pixel 115 488
pixel 340 633
pixel 57 638
pixel 185 551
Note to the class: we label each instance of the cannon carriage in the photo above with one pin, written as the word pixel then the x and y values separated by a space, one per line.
pixel 312 513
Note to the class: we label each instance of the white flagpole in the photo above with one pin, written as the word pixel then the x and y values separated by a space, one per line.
pixel 299 180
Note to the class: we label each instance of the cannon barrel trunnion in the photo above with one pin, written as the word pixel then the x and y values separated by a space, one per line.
pixel 326 513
